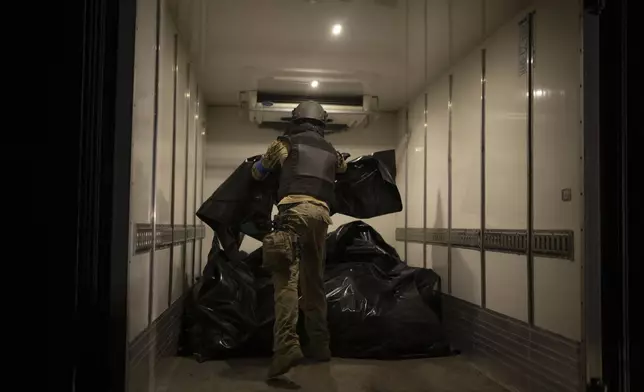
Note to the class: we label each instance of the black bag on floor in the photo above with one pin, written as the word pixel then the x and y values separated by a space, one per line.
pixel 378 307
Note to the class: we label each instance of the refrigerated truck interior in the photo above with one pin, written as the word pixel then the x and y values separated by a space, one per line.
pixel 484 103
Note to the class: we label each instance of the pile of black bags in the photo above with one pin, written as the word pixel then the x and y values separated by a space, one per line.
pixel 378 307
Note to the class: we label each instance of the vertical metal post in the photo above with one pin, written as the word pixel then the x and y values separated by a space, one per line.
pixel 625 225
pixel 425 189
pixel 450 35
pixel 425 150
pixel 529 245
pixel 203 174
pixel 591 221
pixel 407 137
pixel 483 85
pixel 175 76
pixel 153 215
pixel 185 189
pixel 406 128
pixel 194 196
pixel 449 185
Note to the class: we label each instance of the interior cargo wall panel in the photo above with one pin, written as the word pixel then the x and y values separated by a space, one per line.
pixel 506 134
pixel 466 143
pixel 189 273
pixel 437 153
pixel 180 173
pixel 506 169
pixel 416 164
pixel 401 218
pixel 142 169
pixel 201 134
pixel 437 171
pixel 165 156
pixel 138 294
pixel 437 25
pixel 502 203
pixel 415 46
pixel 192 156
pixel 401 170
pixel 557 159
pixel 506 283
pixel 437 259
pixel 164 164
pixel 165 120
pixel 161 278
pixel 143 113
pixel 416 178
pixel 466 19
pixel 466 275
pixel 498 12
pixel 466 173
pixel 415 254
pixel 177 272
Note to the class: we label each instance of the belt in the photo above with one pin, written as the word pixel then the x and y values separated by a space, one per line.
pixel 284 207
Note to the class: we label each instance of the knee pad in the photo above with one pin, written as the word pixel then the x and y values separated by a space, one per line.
pixel 279 251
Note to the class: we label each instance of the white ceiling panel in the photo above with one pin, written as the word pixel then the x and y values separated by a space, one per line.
pixel 281 45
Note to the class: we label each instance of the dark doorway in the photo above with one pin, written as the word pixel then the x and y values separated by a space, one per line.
pixel 90 193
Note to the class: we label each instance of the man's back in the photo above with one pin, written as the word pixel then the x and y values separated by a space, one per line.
pixel 308 162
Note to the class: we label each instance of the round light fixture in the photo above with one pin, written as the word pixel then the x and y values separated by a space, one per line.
pixel 315 84
pixel 336 29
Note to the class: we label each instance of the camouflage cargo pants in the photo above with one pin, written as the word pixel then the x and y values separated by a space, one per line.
pixel 295 253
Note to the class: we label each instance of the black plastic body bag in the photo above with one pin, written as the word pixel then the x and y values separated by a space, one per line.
pixel 378 307
pixel 242 205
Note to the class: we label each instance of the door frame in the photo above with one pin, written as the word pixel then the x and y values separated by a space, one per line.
pixel 609 194
pixel 104 59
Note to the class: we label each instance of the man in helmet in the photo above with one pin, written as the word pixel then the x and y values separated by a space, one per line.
pixel 295 251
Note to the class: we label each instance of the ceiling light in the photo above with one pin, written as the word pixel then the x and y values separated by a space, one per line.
pixel 315 84
pixel 337 29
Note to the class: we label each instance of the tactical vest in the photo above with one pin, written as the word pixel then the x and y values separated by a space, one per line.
pixel 309 168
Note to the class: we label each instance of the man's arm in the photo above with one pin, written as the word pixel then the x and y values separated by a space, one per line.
pixel 341 162
pixel 275 156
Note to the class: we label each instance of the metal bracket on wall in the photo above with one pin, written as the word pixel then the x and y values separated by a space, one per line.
pixel 553 243
pixel 546 243
pixel 506 241
pixel 436 236
pixel 466 238
pixel 167 236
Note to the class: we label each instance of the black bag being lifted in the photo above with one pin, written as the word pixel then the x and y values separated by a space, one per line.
pixel 242 205
pixel 378 307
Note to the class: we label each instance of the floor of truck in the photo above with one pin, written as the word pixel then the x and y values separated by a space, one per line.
pixel 450 374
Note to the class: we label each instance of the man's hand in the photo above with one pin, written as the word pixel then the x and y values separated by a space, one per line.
pixel 258 171
pixel 345 155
